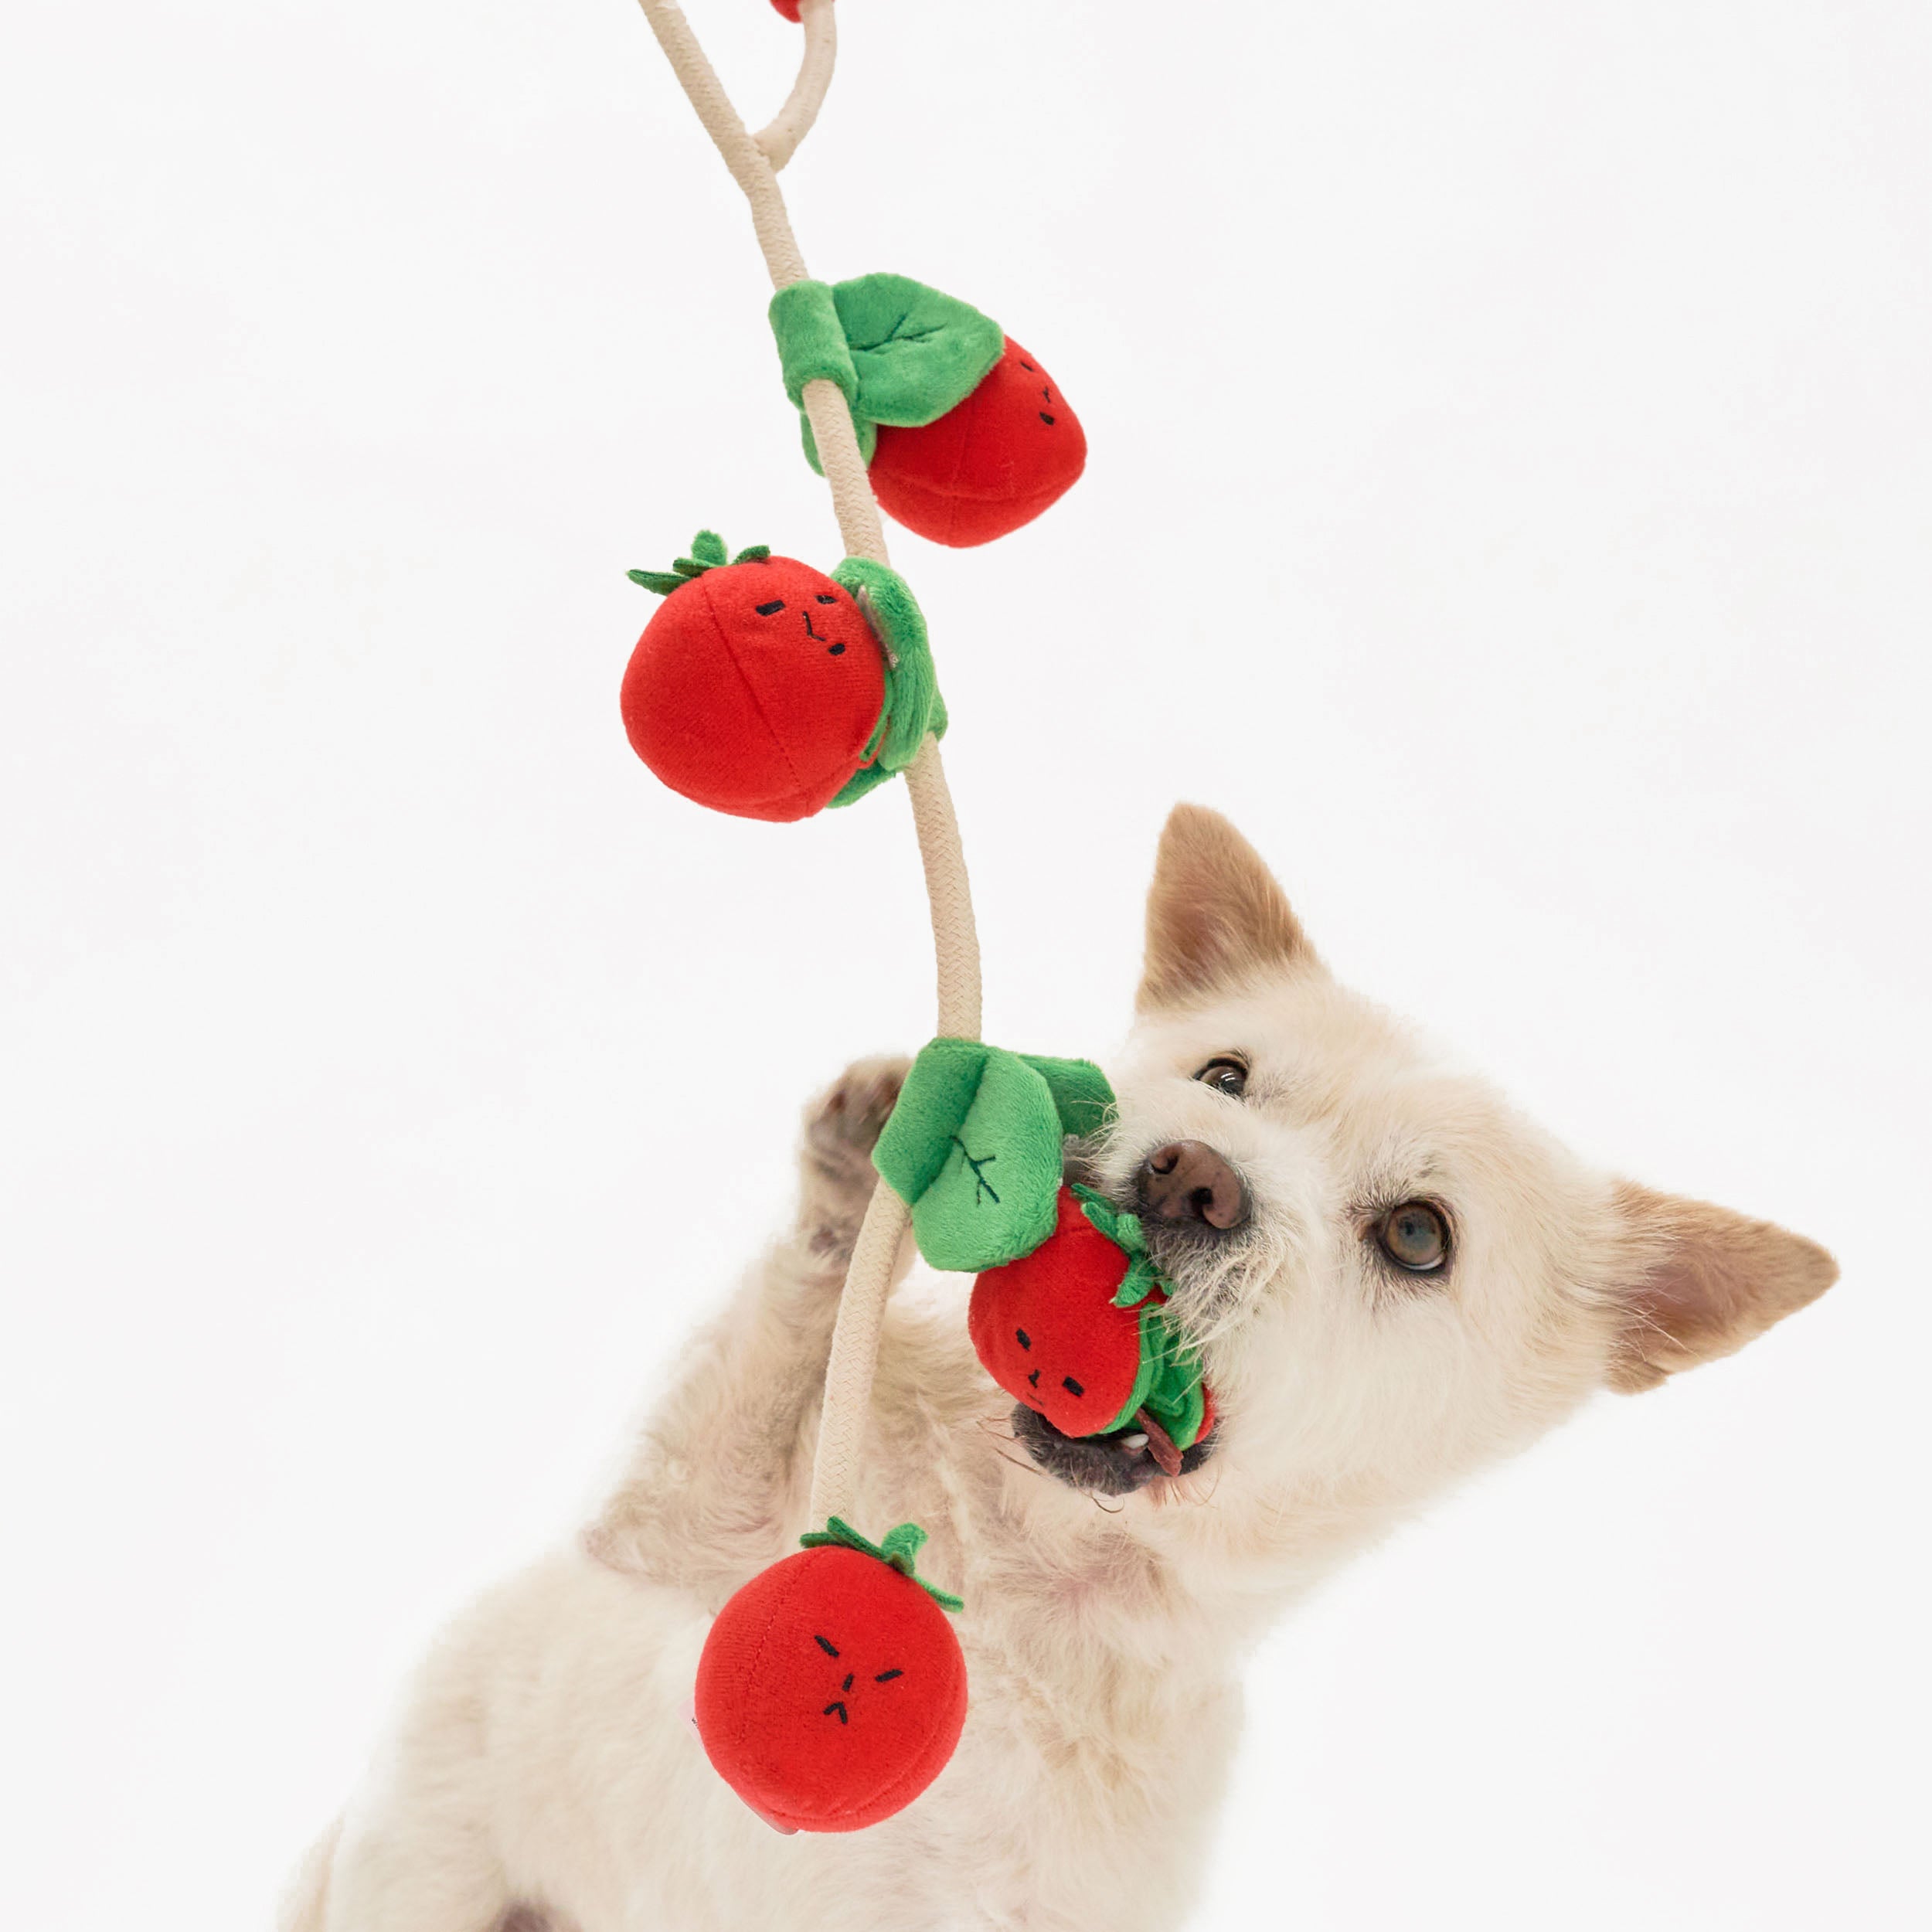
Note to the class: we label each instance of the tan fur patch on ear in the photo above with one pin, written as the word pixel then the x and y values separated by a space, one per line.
pixel 1708 1281
pixel 1215 916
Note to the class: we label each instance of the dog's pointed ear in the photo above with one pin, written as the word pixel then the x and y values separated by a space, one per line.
pixel 1701 1281
pixel 1215 916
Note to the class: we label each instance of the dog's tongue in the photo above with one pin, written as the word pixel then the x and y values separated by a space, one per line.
pixel 1160 1445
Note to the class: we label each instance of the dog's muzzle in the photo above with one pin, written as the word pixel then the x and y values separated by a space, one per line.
pixel 1112 1465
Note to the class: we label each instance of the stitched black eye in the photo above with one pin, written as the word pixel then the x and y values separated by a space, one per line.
pixel 1047 420
pixel 770 609
pixel 825 597
pixel 1025 1340
pixel 835 650
pixel 827 1646
pixel 1415 1237
pixel 1071 1387
pixel 887 1676
pixel 1226 1075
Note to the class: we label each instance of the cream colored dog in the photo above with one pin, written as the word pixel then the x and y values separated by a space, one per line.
pixel 1395 1279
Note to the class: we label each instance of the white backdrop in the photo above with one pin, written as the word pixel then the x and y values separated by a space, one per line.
pixel 1509 499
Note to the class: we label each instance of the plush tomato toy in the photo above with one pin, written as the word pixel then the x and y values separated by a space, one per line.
pixel 966 435
pixel 760 687
pixel 995 462
pixel 1077 1330
pixel 832 1689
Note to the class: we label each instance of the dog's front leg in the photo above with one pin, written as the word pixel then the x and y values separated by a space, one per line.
pixel 720 1474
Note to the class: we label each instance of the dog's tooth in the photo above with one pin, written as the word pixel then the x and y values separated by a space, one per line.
pixel 1136 1440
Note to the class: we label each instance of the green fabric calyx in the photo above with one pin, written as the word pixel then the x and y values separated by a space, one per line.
pixel 913 707
pixel 1124 1229
pixel 707 552
pixel 899 1549
pixel 1169 1383
pixel 909 353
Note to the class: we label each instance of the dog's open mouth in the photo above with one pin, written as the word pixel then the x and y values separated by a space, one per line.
pixel 1109 1465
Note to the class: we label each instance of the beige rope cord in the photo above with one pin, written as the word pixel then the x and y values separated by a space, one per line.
pixel 792 122
pixel 754 162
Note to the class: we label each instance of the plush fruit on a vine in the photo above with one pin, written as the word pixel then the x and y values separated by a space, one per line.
pixel 789 9
pixel 758 687
pixel 1077 1331
pixel 832 1689
pixel 1049 1333
pixel 989 464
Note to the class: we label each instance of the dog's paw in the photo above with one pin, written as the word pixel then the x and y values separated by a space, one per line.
pixel 842 1126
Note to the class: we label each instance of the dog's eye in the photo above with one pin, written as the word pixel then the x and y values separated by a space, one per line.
pixel 1414 1236
pixel 1226 1075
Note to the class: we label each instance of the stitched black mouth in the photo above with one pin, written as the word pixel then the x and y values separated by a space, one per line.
pixel 1103 1464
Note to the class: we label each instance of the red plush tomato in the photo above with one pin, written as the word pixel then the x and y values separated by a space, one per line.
pixel 832 1689
pixel 758 688
pixel 1050 1334
pixel 789 9
pixel 1077 1330
pixel 989 464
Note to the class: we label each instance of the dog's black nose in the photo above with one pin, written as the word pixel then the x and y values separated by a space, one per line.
pixel 1188 1180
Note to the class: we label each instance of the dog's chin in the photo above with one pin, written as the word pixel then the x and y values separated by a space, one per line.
pixel 1102 1465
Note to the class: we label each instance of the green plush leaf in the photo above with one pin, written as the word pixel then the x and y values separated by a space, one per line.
pixel 1079 1089
pixel 867 432
pixel 709 548
pixel 1172 1393
pixel 911 686
pixel 869 775
pixel 812 343
pixel 916 1143
pixel 974 1149
pixel 1144 1377
pixel 663 582
pixel 1175 1397
pixel 917 353
pixel 753 553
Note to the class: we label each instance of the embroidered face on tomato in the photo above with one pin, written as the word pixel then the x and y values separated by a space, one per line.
pixel 1047 1329
pixel 756 689
pixel 989 464
pixel 831 1692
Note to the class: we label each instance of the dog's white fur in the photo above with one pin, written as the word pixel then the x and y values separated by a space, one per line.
pixel 542 1772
